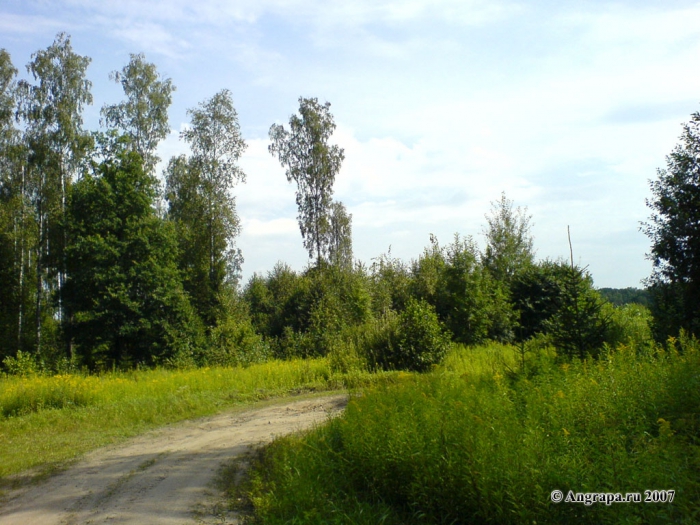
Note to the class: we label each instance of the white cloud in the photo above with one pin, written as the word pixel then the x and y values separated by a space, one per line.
pixel 28 24
pixel 276 227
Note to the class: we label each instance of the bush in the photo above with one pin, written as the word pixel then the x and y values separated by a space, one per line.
pixel 629 325
pixel 471 304
pixel 579 325
pixel 233 340
pixel 419 342
pixel 24 364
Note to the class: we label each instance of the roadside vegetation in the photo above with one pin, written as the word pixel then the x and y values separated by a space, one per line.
pixel 46 420
pixel 489 442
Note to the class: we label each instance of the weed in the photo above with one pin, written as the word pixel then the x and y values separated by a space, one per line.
pixel 472 443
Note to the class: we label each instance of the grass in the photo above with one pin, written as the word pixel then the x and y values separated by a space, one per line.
pixel 480 441
pixel 46 421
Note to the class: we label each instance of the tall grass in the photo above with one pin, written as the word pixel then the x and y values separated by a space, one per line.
pixel 479 442
pixel 46 420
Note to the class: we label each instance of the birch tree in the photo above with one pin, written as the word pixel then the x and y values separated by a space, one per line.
pixel 508 240
pixel 201 204
pixel 52 111
pixel 143 116
pixel 15 228
pixel 313 164
pixel 340 236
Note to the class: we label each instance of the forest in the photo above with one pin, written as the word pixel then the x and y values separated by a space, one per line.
pixel 104 263
pixel 107 265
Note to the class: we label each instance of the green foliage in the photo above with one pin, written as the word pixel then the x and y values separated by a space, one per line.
pixel 508 240
pixel 23 364
pixel 234 341
pixel 391 285
pixel 623 296
pixel 278 301
pixel 124 291
pixel 143 116
pixel 628 325
pixel 293 469
pixel 557 300
pixel 674 231
pixel 462 446
pixel 202 208
pixel 340 236
pixel 537 294
pixel 303 315
pixel 579 325
pixel 54 146
pixel 313 164
pixel 419 341
pixel 471 304
pixel 668 307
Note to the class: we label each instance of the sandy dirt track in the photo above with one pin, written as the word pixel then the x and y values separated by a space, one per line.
pixel 162 477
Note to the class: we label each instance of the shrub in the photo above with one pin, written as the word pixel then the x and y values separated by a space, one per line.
pixel 23 364
pixel 419 342
pixel 629 324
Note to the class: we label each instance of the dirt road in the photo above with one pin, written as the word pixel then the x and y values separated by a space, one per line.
pixel 163 477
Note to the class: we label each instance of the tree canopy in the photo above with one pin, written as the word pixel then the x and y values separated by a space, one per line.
pixel 198 189
pixel 143 116
pixel 124 290
pixel 674 231
pixel 508 239
pixel 313 164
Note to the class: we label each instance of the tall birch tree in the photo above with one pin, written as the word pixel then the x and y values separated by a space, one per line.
pixel 143 116
pixel 52 111
pixel 340 245
pixel 313 164
pixel 15 229
pixel 201 204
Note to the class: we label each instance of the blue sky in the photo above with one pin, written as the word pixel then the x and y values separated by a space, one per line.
pixel 568 107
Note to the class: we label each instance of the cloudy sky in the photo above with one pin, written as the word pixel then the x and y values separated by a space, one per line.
pixel 568 107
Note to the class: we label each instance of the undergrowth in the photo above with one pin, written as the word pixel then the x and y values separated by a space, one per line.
pixel 485 440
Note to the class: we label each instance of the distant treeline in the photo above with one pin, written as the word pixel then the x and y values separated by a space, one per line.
pixel 623 296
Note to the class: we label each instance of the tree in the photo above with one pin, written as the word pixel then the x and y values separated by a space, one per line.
pixel 508 240
pixel 143 116
pixel 467 299
pixel 200 203
pixel 313 164
pixel 579 326
pixel 14 224
pixel 537 293
pixel 391 284
pixel 124 290
pixel 52 111
pixel 624 296
pixel 674 231
pixel 419 341
pixel 8 103
pixel 340 236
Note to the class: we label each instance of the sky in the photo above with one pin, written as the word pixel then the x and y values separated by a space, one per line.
pixel 567 107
